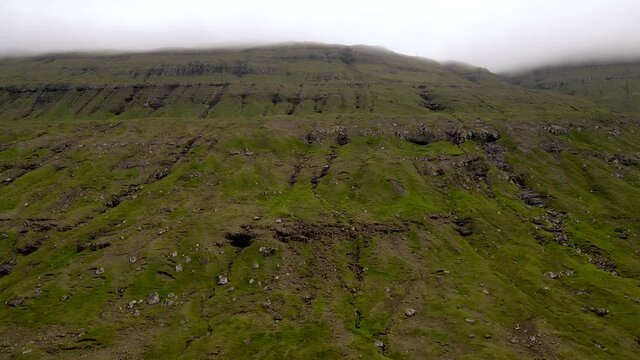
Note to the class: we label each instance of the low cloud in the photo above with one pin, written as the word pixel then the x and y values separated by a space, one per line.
pixel 501 35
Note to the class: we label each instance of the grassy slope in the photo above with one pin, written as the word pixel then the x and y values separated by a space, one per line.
pixel 354 248
pixel 616 86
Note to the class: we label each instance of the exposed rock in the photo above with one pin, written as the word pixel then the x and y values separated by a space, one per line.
pixel 5 269
pixel 498 156
pixel 266 251
pixel 556 129
pixel 430 101
pixel 422 136
pixel 554 275
pixel 153 298
pixel 533 199
pixel 459 136
pixel 131 304
pixel 179 268
pixel 600 346
pixel 470 321
pixel 568 273
pixel 624 159
pixel 29 248
pixel 342 139
pixel 162 173
pixel 94 246
pixel 15 302
pixel 464 227
pixel 485 135
pixel 599 311
pixel 222 280
pixel 552 147
pixel 166 209
pixel 481 136
pixel 602 262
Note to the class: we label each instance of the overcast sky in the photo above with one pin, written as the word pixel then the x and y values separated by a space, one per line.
pixel 497 34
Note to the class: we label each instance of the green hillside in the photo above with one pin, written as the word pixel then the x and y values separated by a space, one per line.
pixel 297 80
pixel 616 86
pixel 311 201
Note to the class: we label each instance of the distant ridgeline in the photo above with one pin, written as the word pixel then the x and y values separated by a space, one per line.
pixel 300 80
pixel 616 86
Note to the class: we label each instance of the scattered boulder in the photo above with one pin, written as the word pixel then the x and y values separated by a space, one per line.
pixel 94 246
pixel 5 269
pixel 99 271
pixel 222 280
pixel 266 251
pixel 410 312
pixel 15 302
pixel 554 275
pixel 533 199
pixel 464 227
pixel 485 135
pixel 153 298
pixel 470 321
pixel 421 137
pixel 599 311
pixel 459 136
pixel 624 159
pixel 166 209
pixel 556 130
pixel 378 344
pixel 552 147
pixel 342 139
pixel 162 173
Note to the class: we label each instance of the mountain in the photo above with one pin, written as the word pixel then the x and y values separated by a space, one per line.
pixel 613 85
pixel 299 80
pixel 311 201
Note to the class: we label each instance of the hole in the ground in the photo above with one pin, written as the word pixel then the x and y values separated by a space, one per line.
pixel 239 239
